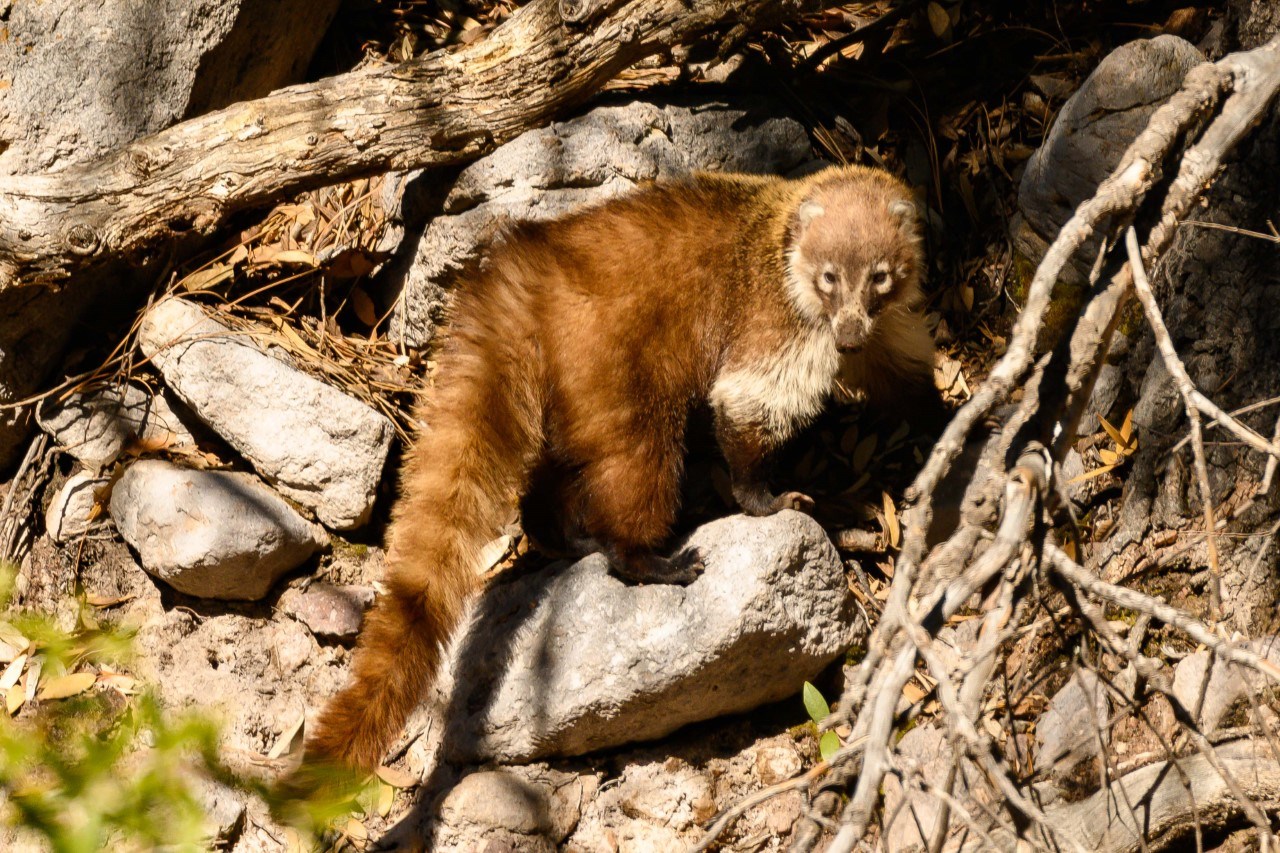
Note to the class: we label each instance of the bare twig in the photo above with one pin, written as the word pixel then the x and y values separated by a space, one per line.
pixel 1188 391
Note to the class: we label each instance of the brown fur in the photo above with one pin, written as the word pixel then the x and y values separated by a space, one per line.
pixel 575 356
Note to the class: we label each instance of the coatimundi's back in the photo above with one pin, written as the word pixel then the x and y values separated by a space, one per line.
pixel 576 354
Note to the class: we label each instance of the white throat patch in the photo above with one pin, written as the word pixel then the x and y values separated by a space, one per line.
pixel 782 390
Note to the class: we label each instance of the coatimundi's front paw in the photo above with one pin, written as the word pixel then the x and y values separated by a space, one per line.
pixel 682 569
pixel 793 500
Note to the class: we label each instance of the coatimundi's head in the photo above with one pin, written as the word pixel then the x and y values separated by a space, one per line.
pixel 854 251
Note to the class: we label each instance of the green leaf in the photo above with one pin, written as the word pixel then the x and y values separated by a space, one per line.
pixel 814 703
pixel 829 745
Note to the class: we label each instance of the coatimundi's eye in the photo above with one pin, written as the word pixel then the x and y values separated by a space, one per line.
pixel 881 282
pixel 827 282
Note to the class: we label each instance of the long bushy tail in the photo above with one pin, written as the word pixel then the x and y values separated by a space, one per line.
pixel 483 431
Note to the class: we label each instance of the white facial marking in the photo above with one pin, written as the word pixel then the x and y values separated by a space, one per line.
pixel 800 289
pixel 881 278
pixel 784 390
pixel 827 281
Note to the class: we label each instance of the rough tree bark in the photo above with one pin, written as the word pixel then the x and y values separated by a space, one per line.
pixel 447 107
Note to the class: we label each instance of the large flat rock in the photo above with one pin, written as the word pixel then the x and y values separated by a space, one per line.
pixel 315 444
pixel 571 659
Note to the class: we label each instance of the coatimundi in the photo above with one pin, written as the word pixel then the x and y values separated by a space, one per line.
pixel 576 354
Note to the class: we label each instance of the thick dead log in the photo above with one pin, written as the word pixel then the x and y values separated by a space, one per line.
pixel 446 107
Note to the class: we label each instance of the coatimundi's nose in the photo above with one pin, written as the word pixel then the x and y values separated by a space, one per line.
pixel 851 332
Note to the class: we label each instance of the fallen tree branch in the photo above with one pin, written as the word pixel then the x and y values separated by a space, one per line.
pixel 447 107
pixel 1166 803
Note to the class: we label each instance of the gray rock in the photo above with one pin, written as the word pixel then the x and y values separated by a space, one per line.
pixel 1072 470
pixel 224 813
pixel 212 534
pixel 330 611
pixel 524 808
pixel 925 754
pixel 116 69
pixel 551 171
pixel 70 512
pixel 1090 134
pixel 315 444
pixel 778 763
pixel 1068 732
pixel 595 662
pixel 1105 393
pixel 96 427
pixel 1227 684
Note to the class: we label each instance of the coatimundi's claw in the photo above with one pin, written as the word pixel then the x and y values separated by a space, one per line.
pixel 795 500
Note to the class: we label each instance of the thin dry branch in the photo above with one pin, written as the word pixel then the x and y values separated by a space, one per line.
pixel 1187 389
pixel 1129 599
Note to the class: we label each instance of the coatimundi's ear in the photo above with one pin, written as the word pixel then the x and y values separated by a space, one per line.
pixel 905 211
pixel 809 211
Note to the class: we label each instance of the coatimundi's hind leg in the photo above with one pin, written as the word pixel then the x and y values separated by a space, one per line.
pixel 630 496
pixel 746 449
pixel 551 511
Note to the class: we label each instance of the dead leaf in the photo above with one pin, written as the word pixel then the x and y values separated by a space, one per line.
pixel 355 830
pixel 862 453
pixel 293 339
pixel 899 434
pixel 939 20
pixel 1126 431
pixel 12 636
pixel 912 693
pixel 1109 457
pixel 32 679
pixel 396 778
pixel 65 686
pixel 492 553
pixel 126 685
pixel 12 672
pixel 993 728
pixel 293 256
pixel 891 520
pixel 849 440
pixel 8 652
pixel 284 743
pixel 385 800
pixel 363 306
pixel 14 698
pixel 203 279
pixel 1086 477
pixel 1121 437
